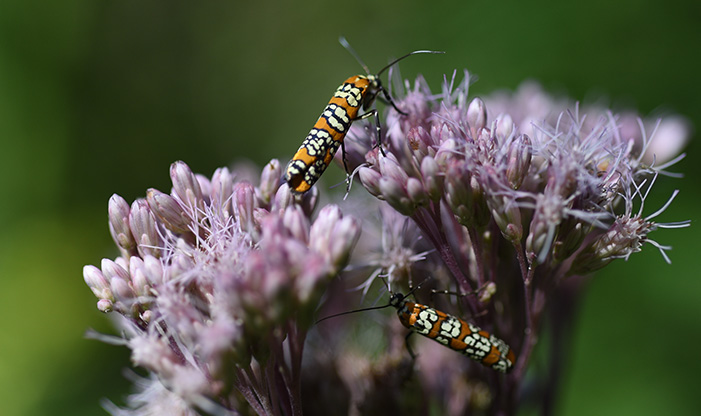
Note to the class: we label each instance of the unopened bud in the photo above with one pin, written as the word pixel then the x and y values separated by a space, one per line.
pixel 186 186
pixel 167 209
pixel 476 116
pixel 269 181
pixel 519 161
pixel 118 214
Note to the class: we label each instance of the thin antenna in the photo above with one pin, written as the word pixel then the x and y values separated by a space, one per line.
pixel 407 55
pixel 372 308
pixel 352 51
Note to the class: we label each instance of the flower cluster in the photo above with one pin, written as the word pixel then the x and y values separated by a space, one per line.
pixel 217 283
pixel 517 195
pixel 506 201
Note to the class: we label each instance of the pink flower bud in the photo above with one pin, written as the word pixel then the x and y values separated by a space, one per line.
pixel 222 188
pixel 169 211
pixel 143 226
pixel 244 203
pixel 416 192
pixel 370 179
pixel 186 186
pixel 503 127
pixel 432 178
pixel 118 213
pixel 97 282
pixel 270 180
pixel 519 161
pixel 476 116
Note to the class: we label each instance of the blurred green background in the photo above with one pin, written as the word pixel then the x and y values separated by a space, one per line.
pixel 98 97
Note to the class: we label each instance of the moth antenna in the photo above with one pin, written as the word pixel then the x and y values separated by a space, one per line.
pixel 405 56
pixel 342 40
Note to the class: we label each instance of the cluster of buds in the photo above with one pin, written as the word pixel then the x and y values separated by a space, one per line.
pixel 507 200
pixel 217 284
pixel 516 196
pixel 551 177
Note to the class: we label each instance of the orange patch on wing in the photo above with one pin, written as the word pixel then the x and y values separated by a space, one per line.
pixel 415 309
pixel 485 334
pixel 435 330
pixel 322 124
pixel 299 185
pixel 358 81
pixel 329 157
pixel 492 357
pixel 304 156
pixel 456 344
pixel 511 356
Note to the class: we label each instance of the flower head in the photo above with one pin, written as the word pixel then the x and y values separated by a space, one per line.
pixel 514 196
pixel 217 279
pixel 506 201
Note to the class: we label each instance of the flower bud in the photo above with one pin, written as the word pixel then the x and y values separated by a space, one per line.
pixel 458 192
pixel 416 192
pixel 186 186
pixel 370 179
pixel 507 216
pixel 119 281
pixel 142 223
pixel 418 140
pixel 139 280
pixel 243 202
pixel 121 289
pixel 283 198
pixel 321 232
pixel 519 161
pixel 105 305
pixel 270 180
pixel 296 223
pixel 97 282
pixel 476 116
pixel 569 239
pixel 312 276
pixel 169 211
pixel 395 194
pixel 432 178
pixel 503 127
pixel 205 187
pixel 153 269
pixel 546 219
pixel 446 152
pixel 118 214
pixel 111 269
pixel 389 168
pixel 222 189
pixel 346 234
pixel 333 236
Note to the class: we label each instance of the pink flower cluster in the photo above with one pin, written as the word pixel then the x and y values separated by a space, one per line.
pixel 509 201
